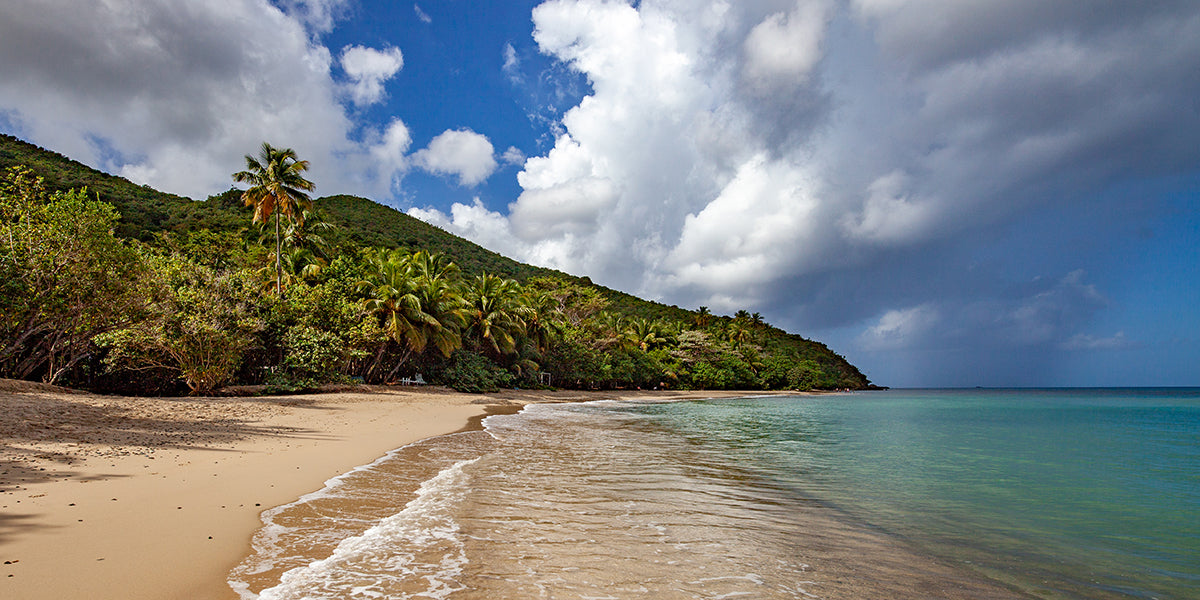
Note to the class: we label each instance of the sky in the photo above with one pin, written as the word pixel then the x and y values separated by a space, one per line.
pixel 946 192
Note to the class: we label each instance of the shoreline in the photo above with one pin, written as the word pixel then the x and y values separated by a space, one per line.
pixel 159 497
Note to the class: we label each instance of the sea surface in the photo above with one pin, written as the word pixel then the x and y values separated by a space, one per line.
pixel 1090 493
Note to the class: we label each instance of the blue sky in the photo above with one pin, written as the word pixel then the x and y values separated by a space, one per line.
pixel 994 192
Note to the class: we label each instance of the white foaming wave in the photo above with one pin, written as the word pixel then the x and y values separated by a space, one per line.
pixel 361 566
pixel 268 540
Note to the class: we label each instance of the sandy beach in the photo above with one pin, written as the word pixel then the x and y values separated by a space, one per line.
pixel 114 497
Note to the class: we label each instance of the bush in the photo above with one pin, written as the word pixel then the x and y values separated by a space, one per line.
pixel 286 383
pixel 199 325
pixel 706 376
pixel 807 375
pixel 312 354
pixel 474 373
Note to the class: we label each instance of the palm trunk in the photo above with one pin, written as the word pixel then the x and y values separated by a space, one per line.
pixel 278 259
pixel 375 363
pixel 403 359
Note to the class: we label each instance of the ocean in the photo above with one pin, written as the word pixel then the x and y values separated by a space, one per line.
pixel 1081 493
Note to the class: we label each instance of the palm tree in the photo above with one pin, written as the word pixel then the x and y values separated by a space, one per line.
pixel 703 316
pixel 545 317
pixel 418 301
pixel 304 233
pixel 276 186
pixel 614 331
pixel 497 314
pixel 299 264
pixel 738 333
pixel 442 298
pixel 649 335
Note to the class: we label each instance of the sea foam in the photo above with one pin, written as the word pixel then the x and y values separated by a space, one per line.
pixel 414 552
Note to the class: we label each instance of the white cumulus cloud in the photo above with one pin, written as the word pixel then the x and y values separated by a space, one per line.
pixel 513 156
pixel 782 50
pixel 390 152
pixel 900 328
pixel 368 69
pixel 462 153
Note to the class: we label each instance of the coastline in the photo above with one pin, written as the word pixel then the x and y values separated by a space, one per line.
pixel 112 497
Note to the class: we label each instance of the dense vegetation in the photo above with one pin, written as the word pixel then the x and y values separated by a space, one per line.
pixel 117 287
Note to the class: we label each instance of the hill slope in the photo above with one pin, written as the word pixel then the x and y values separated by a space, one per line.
pixel 145 212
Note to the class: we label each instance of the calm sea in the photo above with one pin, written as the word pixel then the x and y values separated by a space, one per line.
pixel 897 494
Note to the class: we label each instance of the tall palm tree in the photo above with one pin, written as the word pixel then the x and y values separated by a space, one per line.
pixel 277 186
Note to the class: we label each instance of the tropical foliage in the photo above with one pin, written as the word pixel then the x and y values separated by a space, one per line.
pixel 64 277
pixel 362 293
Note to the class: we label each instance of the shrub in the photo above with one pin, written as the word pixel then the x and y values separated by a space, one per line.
pixel 474 373
pixel 200 323
pixel 313 354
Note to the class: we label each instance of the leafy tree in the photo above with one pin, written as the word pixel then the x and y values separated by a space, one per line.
pixel 314 354
pixel 199 324
pixel 473 373
pixel 576 303
pixel 327 333
pixel 277 186
pixel 64 277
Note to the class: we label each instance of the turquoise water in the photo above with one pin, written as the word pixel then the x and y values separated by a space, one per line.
pixel 898 495
pixel 1060 493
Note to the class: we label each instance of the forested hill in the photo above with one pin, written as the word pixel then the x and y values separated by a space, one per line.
pixel 147 214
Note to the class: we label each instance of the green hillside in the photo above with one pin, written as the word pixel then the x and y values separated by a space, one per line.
pixel 146 213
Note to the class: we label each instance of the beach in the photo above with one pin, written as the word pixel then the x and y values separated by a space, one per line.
pixel 372 491
pixel 114 497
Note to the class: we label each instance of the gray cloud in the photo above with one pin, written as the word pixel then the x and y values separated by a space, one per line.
pixel 173 94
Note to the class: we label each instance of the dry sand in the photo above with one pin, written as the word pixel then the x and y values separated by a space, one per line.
pixel 157 498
